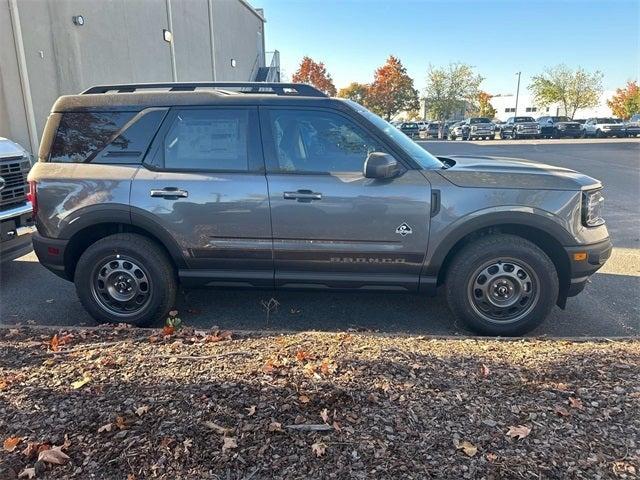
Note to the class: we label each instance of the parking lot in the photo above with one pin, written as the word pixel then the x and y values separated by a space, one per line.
pixel 609 306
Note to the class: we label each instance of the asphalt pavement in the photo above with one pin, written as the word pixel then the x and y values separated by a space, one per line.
pixel 609 306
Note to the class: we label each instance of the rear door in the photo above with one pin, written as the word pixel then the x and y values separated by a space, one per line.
pixel 332 227
pixel 203 184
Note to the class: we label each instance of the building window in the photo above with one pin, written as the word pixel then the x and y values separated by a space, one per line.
pixel 531 109
pixel 509 110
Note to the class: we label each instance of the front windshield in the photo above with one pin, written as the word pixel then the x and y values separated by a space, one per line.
pixel 411 148
pixel 523 119
pixel 479 120
pixel 561 119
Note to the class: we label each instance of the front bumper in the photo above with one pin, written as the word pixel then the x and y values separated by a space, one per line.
pixel 613 133
pixel 16 229
pixel 50 253
pixel 584 261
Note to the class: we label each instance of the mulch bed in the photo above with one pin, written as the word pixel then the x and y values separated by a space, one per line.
pixel 124 403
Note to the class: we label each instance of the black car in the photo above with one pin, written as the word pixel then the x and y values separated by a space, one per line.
pixel 558 127
pixel 410 129
pixel 519 127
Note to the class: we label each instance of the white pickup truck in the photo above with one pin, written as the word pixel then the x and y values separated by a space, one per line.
pixel 604 127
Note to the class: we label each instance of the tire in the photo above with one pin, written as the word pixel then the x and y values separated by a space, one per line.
pixel 116 262
pixel 502 136
pixel 530 265
pixel 514 135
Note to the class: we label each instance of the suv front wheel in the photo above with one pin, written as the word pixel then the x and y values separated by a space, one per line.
pixel 126 278
pixel 501 285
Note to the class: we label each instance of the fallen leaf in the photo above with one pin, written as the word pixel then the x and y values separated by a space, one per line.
pixel 121 423
pixel 54 343
pixel 467 447
pixel 324 414
pixel 275 427
pixel 336 426
pixel 251 410
pixel 168 330
pixel 491 457
pixel 520 432
pixel 560 410
pixel 28 473
pixel 303 399
pixel 80 383
pixel 106 428
pixel 576 403
pixel 319 449
pixel 268 367
pixel 327 367
pixel 220 430
pixel 54 456
pixel 142 410
pixel 11 443
pixel 301 356
pixel 229 443
pixel 484 370
pixel 173 313
pixel 188 443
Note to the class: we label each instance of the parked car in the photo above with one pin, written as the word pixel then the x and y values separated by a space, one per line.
pixel 433 130
pixel 422 125
pixel 283 187
pixel 476 127
pixel 519 127
pixel 456 131
pixel 497 125
pixel 604 127
pixel 16 226
pixel 410 129
pixel 558 127
pixel 632 126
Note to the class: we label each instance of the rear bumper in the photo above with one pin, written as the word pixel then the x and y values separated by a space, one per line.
pixel 50 253
pixel 16 229
pixel 595 256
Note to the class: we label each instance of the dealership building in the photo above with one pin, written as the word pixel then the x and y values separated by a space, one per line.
pixel 505 106
pixel 50 48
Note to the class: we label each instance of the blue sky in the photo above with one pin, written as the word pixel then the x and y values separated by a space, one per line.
pixel 498 37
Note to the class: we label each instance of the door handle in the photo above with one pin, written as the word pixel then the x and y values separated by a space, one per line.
pixel 302 196
pixel 169 192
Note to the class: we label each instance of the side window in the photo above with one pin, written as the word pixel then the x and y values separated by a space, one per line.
pixel 318 141
pixel 211 139
pixel 81 135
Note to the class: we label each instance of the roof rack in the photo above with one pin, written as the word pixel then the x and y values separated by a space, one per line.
pixel 301 89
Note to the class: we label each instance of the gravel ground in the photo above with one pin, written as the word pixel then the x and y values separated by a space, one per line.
pixel 124 403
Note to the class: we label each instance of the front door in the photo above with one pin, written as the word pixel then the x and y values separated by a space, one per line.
pixel 332 227
pixel 203 184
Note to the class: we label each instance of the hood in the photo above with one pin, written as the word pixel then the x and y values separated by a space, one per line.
pixel 527 124
pixel 572 124
pixel 619 125
pixel 500 172
pixel 10 149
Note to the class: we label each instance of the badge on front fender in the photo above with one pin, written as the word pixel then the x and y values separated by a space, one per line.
pixel 404 230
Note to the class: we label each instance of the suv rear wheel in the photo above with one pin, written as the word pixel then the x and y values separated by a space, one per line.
pixel 501 285
pixel 126 278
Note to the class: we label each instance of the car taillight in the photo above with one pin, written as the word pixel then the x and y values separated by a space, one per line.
pixel 32 196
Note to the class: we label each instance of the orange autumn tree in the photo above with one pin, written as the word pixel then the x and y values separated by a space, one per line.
pixel 315 74
pixel 392 90
pixel 626 101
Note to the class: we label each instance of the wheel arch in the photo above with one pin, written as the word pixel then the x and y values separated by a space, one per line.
pixel 545 234
pixel 97 225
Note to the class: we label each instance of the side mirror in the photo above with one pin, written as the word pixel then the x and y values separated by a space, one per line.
pixel 380 165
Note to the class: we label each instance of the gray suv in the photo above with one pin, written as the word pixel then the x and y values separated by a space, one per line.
pixel 139 188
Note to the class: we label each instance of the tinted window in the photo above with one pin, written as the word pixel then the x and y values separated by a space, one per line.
pixel 132 143
pixel 215 139
pixel 316 141
pixel 523 119
pixel 479 120
pixel 82 135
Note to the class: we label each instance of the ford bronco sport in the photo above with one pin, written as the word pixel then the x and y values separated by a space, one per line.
pixel 141 187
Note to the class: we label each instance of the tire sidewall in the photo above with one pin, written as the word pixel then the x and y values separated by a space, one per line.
pixel 98 254
pixel 457 291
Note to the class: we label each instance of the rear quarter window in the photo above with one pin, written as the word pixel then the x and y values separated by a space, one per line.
pixel 81 135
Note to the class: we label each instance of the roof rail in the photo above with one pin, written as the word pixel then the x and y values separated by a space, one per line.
pixel 302 89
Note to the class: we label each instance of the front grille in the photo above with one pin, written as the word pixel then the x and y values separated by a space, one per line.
pixel 14 171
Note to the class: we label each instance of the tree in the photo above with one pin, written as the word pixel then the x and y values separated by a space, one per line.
pixel 355 91
pixel 315 74
pixel 450 90
pixel 483 107
pixel 573 89
pixel 626 101
pixel 392 90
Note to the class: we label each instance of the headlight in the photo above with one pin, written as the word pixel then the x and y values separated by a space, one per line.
pixel 592 203
pixel 474 128
pixel 538 128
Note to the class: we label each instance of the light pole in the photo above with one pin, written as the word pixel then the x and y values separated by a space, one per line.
pixel 515 113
